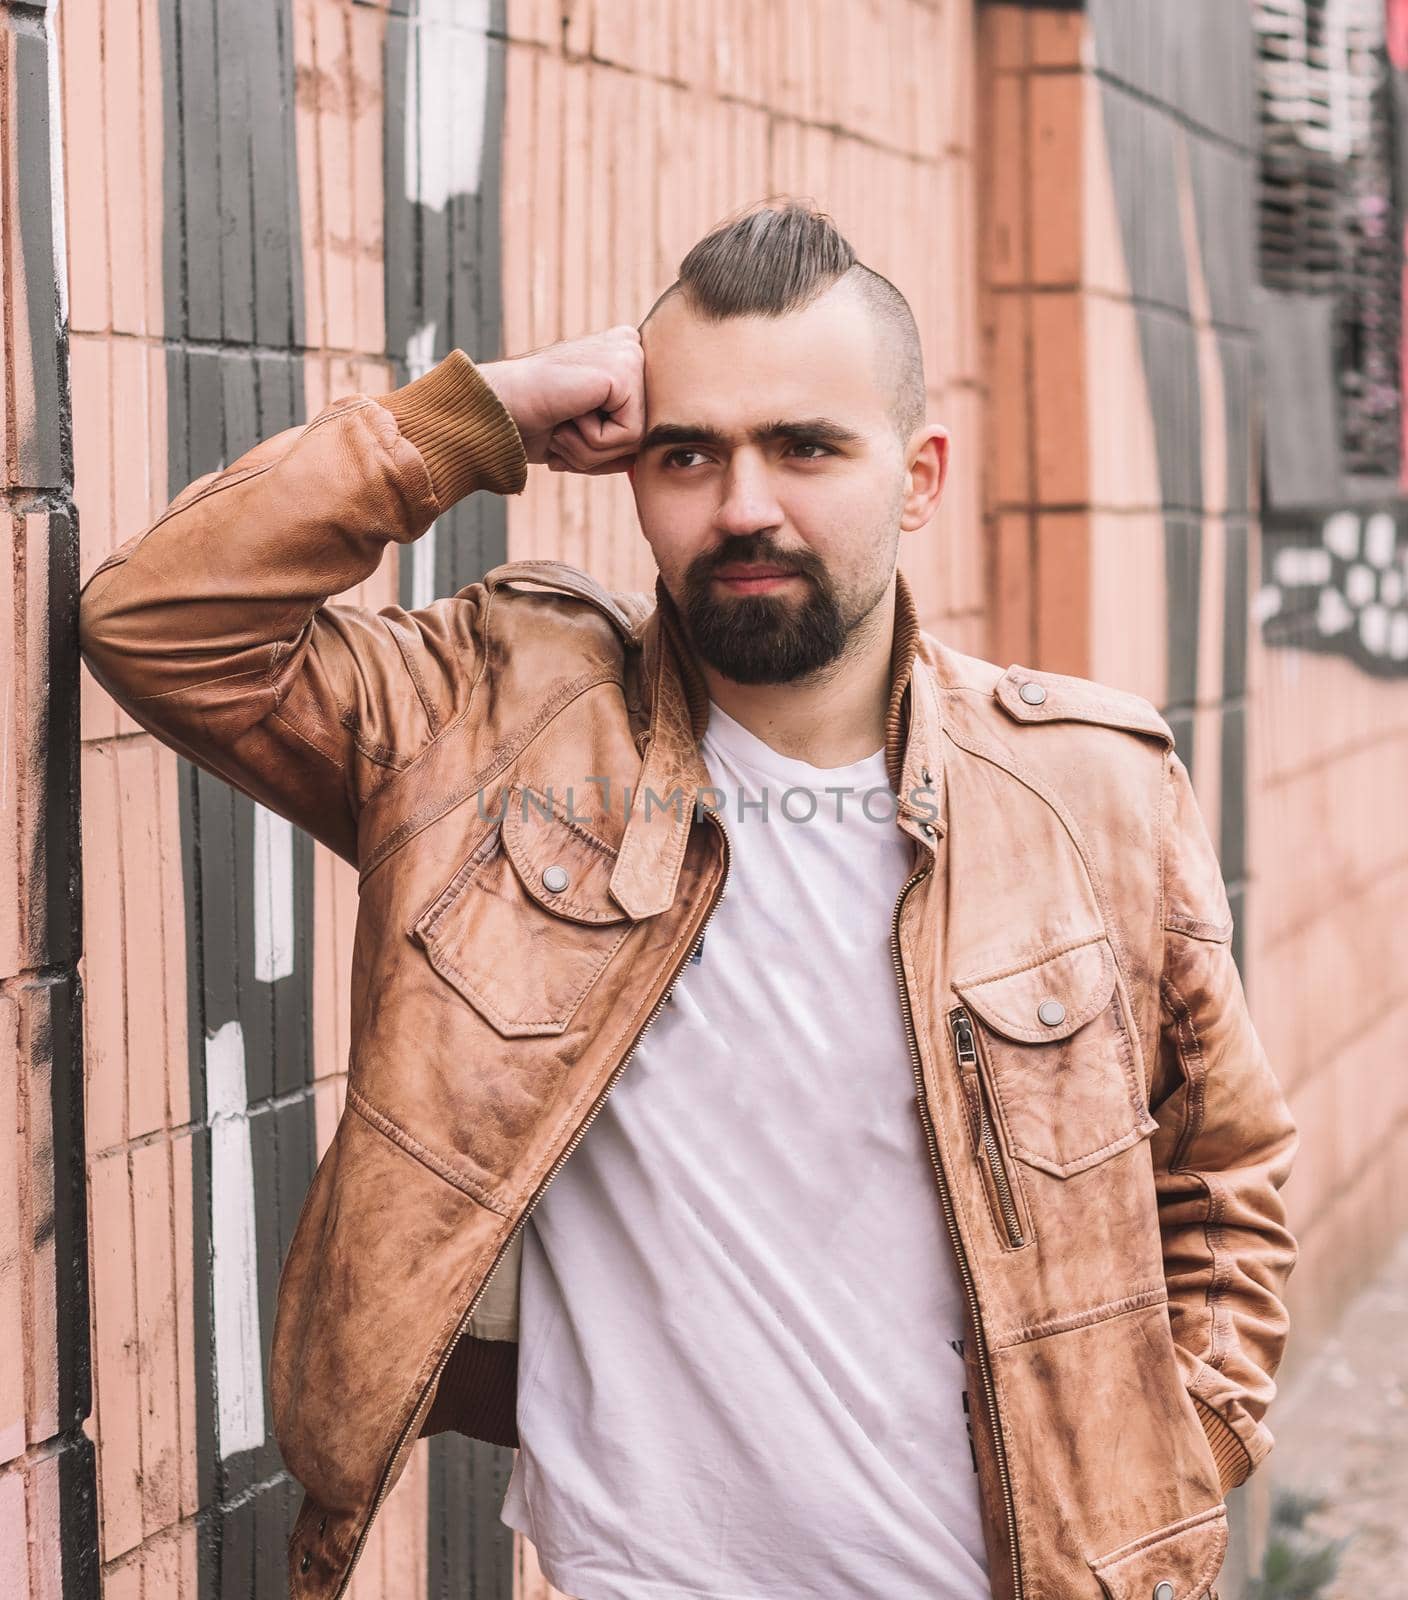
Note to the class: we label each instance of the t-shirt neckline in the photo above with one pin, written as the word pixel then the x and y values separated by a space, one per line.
pixel 748 750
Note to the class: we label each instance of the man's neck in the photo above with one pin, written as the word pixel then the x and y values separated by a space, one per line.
pixel 831 720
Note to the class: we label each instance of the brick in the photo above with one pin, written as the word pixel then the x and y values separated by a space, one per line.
pixel 14 1168
pixel 139 465
pixel 36 1062
pixel 1013 591
pixel 516 218
pixel 116 1355
pixel 1062 592
pixel 1003 156
pixel 104 979
pixel 14 1536
pixel 128 232
pixel 404 1533
pixel 171 901
pixel 366 29
pixel 1054 147
pixel 1009 379
pixel 1128 617
pixel 958 68
pixel 158 1381
pixel 124 1582
pixel 46 1531
pixel 546 259
pixel 596 248
pixel 90 379
pixel 1059 38
pixel 146 996
pixel 1115 419
pixel 1063 436
pixel 12 772
pixel 1101 222
pixel 307 138
pixel 161 1568
pixel 578 30
pixel 336 176
pixel 1002 40
pixel 183 1288
pixel 153 164
pixel 85 173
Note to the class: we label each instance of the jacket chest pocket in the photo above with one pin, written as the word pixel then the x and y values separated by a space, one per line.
pixel 526 926
pixel 1052 1042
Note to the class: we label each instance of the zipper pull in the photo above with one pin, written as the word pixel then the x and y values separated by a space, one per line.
pixel 963 1037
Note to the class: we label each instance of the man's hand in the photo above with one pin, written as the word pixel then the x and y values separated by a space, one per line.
pixel 579 405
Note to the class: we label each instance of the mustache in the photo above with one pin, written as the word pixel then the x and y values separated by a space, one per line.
pixel 757 550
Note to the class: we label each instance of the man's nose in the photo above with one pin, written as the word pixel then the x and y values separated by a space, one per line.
pixel 749 503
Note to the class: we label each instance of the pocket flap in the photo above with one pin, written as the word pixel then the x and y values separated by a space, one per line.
pixel 1048 999
pixel 1179 1562
pixel 561 863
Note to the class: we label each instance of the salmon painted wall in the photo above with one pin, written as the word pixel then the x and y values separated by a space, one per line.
pixel 1192 287
pixel 269 205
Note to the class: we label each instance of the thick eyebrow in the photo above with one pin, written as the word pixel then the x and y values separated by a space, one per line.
pixel 809 430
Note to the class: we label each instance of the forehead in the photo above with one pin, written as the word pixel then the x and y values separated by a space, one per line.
pixel 819 360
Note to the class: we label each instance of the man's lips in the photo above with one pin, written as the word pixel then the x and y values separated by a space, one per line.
pixel 755 579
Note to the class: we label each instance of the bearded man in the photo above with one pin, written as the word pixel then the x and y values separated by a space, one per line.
pixel 801 1092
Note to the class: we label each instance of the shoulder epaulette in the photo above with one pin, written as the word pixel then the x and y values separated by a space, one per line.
pixel 626 611
pixel 1027 695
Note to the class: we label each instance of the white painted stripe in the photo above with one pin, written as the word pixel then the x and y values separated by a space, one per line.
pixel 273 895
pixel 420 357
pixel 239 1366
pixel 445 100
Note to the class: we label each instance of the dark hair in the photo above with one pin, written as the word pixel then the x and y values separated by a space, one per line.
pixel 778 257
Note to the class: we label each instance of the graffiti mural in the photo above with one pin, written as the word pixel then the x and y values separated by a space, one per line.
pixel 1338 580
pixel 1333 122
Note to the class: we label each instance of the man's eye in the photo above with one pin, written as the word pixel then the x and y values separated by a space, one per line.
pixel 810 444
pixel 672 457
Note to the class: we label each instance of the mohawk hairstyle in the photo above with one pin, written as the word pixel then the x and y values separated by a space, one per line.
pixel 778 257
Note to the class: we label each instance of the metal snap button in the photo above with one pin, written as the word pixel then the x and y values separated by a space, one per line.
pixel 1051 1012
pixel 928 776
pixel 927 829
pixel 556 879
pixel 1163 1591
pixel 1032 693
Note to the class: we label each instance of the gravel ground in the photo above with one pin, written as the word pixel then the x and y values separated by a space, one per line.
pixel 1342 1434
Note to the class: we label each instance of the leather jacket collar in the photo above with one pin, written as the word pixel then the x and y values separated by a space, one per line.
pixel 647 870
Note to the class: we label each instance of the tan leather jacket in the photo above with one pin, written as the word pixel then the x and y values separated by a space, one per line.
pixel 1107 1137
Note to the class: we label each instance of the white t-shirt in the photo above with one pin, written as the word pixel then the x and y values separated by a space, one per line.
pixel 740 1368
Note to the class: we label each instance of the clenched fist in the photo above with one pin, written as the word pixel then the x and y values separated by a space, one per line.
pixel 579 405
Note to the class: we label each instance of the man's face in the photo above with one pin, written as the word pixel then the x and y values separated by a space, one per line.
pixel 770 481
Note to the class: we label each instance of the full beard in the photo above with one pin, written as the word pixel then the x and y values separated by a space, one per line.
pixel 764 638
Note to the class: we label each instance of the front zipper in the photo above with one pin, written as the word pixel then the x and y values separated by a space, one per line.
pixel 965 1044
pixel 965 1271
pixel 408 1436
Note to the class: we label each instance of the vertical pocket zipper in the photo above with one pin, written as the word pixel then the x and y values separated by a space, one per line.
pixel 975 1092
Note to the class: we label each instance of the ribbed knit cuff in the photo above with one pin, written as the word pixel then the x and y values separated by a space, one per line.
pixel 478 1392
pixel 1234 1465
pixel 462 430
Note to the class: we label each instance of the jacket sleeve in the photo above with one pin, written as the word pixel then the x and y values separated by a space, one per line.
pixel 213 628
pixel 1223 1149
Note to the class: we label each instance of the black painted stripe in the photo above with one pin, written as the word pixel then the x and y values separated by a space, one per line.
pixel 234 325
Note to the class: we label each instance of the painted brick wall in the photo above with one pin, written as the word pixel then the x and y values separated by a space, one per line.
pixel 216 215
pixel 868 108
pixel 270 206
pixel 47 1507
